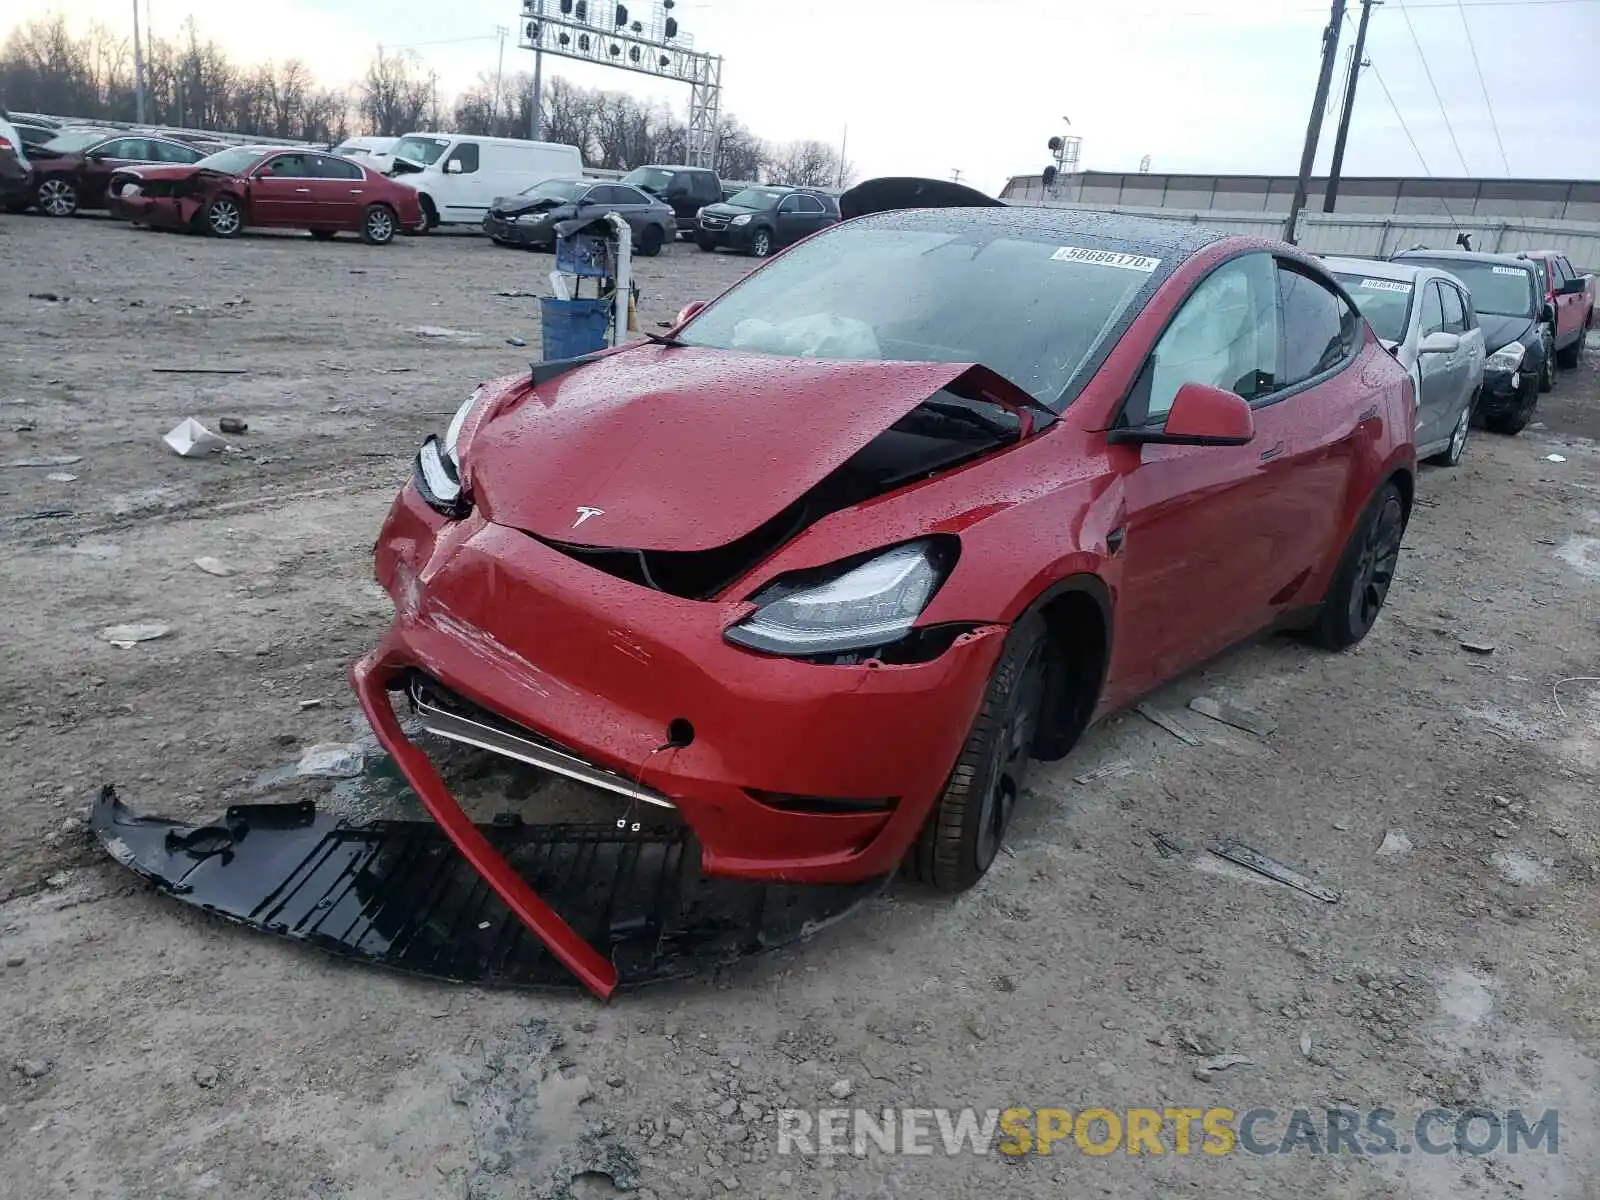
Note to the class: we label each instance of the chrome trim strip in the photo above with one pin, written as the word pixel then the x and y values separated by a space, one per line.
pixel 497 741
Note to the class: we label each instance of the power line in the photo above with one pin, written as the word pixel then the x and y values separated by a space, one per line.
pixel 1448 128
pixel 1483 84
pixel 1426 170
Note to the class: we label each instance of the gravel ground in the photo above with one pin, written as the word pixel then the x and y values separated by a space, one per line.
pixel 146 1051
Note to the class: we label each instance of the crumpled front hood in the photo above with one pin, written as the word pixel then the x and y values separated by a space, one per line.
pixel 1501 331
pixel 686 448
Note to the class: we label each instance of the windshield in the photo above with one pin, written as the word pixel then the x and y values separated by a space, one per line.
pixel 74 140
pixel 651 179
pixel 757 198
pixel 1385 303
pixel 233 161
pixel 1029 309
pixel 347 151
pixel 564 190
pixel 424 150
pixel 1496 290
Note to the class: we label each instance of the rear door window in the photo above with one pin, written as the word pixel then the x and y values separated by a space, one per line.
pixel 329 167
pixel 1320 331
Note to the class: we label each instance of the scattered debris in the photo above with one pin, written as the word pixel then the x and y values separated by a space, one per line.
pixel 46 460
pixel 1305 1043
pixel 59 880
pixel 1119 766
pixel 49 297
pixel 125 637
pixel 206 1077
pixel 841 1089
pixel 200 370
pixel 1228 714
pixel 1207 1071
pixel 1156 717
pixel 1241 855
pixel 1555 688
pixel 315 703
pixel 331 760
pixel 32 1068
pixel 517 294
pixel 1520 869
pixel 213 566
pixel 1555 458
pixel 444 333
pixel 515 341
pixel 1395 844
pixel 190 439
pixel 233 425
pixel 1166 845
pixel 43 514
pixel 1478 647
pixel 61 477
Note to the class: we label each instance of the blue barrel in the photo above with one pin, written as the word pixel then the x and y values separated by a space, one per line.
pixel 569 328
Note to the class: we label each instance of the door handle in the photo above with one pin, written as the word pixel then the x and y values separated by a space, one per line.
pixel 355 191
pixel 302 189
pixel 1272 452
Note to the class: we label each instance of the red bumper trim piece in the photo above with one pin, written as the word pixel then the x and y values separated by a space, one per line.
pixel 369 677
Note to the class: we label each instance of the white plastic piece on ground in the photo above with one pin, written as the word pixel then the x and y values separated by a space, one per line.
pixel 193 440
pixel 125 637
pixel 331 760
pixel 213 566
pixel 1555 458
pixel 1395 844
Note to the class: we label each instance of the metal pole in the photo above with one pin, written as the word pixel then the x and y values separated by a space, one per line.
pixel 538 84
pixel 844 140
pixel 499 67
pixel 1330 52
pixel 138 69
pixel 1331 195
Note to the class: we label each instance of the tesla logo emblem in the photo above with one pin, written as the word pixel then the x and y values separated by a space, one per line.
pixel 585 513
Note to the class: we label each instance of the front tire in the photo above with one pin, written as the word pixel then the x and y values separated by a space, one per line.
pixel 56 197
pixel 965 827
pixel 761 243
pixel 378 225
pixel 650 241
pixel 1569 358
pixel 1361 584
pixel 1547 366
pixel 224 217
pixel 708 247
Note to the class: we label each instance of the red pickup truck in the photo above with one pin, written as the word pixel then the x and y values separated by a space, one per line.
pixel 1571 297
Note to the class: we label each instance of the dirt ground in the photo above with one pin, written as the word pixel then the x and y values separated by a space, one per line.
pixel 147 1051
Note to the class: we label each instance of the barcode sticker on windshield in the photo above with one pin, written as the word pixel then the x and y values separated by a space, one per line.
pixel 1106 258
pixel 1384 285
pixel 1509 271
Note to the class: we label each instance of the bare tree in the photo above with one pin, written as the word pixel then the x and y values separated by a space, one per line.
pixel 393 97
pixel 807 164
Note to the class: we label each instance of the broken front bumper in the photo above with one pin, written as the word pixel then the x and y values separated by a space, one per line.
pixel 397 893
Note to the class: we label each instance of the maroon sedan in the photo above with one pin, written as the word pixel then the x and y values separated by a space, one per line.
pixel 72 171
pixel 242 187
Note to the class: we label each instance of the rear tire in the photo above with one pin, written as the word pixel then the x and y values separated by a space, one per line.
pixel 650 241
pixel 1452 454
pixel 378 224
pixel 56 197
pixel 965 826
pixel 1361 584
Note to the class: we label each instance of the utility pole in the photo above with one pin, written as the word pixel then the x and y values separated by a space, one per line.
pixel 844 140
pixel 1331 195
pixel 538 86
pixel 1330 52
pixel 955 174
pixel 138 69
pixel 499 68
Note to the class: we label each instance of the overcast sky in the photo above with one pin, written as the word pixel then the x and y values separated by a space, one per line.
pixel 928 86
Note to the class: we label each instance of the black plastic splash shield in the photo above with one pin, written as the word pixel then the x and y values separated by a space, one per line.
pixel 398 893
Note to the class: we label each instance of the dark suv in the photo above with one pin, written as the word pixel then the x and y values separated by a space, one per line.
pixel 686 189
pixel 762 218
pixel 1508 293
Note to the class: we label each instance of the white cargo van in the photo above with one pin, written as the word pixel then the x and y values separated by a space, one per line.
pixel 459 177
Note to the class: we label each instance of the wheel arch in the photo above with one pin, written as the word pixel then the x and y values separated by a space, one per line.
pixel 1077 612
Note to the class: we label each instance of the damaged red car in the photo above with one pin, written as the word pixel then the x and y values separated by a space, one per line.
pixel 248 187
pixel 818 573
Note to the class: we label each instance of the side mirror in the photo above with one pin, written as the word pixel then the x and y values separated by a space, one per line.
pixel 1440 342
pixel 1200 416
pixel 689 310
pixel 453 167
pixel 1573 287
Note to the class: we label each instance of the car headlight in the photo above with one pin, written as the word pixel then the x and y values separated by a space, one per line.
pixel 1507 358
pixel 741 220
pixel 857 607
pixel 437 470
